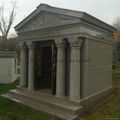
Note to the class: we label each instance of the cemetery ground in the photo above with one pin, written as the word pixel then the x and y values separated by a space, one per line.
pixel 109 109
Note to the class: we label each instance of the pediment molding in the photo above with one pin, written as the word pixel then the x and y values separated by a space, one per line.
pixel 83 16
pixel 47 19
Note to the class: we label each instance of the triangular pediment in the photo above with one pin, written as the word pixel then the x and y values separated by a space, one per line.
pixel 46 20
pixel 46 16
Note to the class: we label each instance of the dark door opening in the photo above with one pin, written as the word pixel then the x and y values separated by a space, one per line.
pixel 45 68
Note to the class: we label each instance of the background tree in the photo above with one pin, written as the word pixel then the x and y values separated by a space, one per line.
pixel 116 24
pixel 5 23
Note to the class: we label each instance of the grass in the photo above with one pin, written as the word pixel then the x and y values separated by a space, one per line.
pixel 4 88
pixel 109 109
pixel 13 111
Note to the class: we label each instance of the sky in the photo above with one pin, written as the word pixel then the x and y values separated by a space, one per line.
pixel 105 10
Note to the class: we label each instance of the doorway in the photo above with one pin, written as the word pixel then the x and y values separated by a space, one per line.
pixel 45 68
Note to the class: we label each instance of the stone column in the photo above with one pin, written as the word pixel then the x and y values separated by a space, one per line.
pixel 31 67
pixel 75 69
pixel 23 65
pixel 60 75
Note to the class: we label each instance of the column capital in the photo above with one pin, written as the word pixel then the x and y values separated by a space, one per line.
pixel 23 45
pixel 31 45
pixel 75 42
pixel 60 43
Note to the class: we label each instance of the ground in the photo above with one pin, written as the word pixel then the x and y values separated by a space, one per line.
pixel 13 111
pixel 109 109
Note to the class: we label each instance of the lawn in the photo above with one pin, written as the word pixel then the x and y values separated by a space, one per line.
pixel 13 111
pixel 109 109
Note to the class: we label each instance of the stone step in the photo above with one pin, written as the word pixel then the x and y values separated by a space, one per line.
pixel 40 106
pixel 68 108
pixel 51 97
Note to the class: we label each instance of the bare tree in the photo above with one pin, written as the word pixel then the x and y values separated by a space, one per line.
pixel 6 22
pixel 116 24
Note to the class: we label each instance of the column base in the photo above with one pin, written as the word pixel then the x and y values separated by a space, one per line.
pixel 23 86
pixel 30 88
pixel 60 95
pixel 75 99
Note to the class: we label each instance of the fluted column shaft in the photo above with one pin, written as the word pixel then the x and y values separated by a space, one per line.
pixel 75 69
pixel 31 67
pixel 23 65
pixel 60 77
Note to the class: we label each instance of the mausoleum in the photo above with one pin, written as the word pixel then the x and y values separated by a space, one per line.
pixel 66 61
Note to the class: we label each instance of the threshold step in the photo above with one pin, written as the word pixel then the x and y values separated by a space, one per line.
pixel 41 107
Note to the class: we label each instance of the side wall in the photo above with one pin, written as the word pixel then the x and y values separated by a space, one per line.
pixel 98 67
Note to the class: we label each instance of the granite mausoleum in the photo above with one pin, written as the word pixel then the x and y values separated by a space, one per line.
pixel 66 61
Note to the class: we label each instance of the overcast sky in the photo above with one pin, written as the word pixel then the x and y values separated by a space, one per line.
pixel 105 10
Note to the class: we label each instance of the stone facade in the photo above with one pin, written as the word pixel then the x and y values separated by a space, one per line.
pixel 75 51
